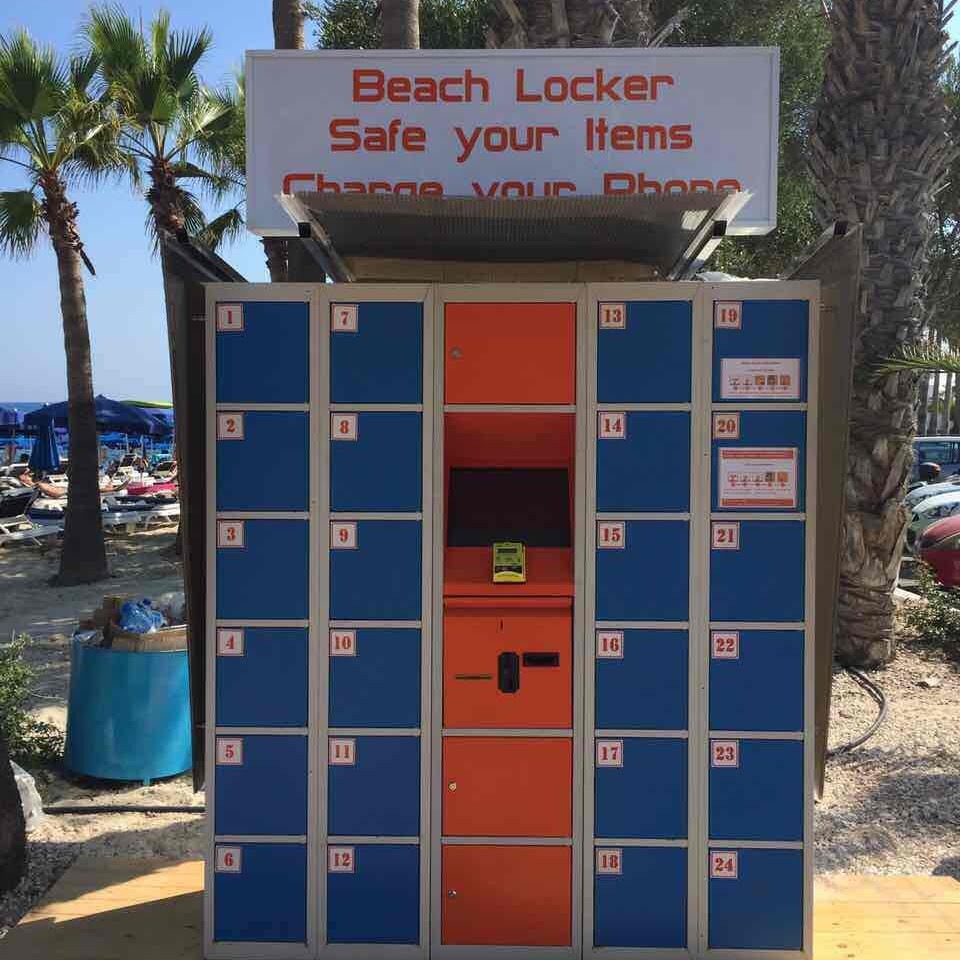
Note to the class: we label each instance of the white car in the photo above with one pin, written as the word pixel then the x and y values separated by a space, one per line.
pixel 927 490
pixel 930 511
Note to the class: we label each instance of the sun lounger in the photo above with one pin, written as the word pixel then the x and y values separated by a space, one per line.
pixel 16 526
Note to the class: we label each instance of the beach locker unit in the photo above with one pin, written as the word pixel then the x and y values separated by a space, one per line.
pixel 610 758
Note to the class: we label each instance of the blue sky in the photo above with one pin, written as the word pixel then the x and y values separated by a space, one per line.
pixel 125 300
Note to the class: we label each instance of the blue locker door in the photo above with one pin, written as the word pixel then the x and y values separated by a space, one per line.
pixel 770 430
pixel 262 462
pixel 648 358
pixel 263 353
pixel 261 786
pixel 375 678
pixel 645 465
pixel 260 892
pixel 645 797
pixel 378 578
pixel 645 574
pixel 645 903
pixel 376 356
pixel 761 797
pixel 769 329
pixel 376 461
pixel 265 577
pixel 756 681
pixel 262 677
pixel 375 790
pixel 758 905
pixel 762 579
pixel 373 893
pixel 641 680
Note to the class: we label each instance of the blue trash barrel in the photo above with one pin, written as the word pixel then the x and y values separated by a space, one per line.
pixel 129 713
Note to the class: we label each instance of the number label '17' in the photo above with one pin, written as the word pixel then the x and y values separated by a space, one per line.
pixel 609 753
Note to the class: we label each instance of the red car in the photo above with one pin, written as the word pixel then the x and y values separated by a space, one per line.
pixel 939 545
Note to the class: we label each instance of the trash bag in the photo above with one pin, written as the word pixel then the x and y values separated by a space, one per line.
pixel 29 797
pixel 140 617
pixel 173 606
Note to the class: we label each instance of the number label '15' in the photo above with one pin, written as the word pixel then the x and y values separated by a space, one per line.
pixel 611 535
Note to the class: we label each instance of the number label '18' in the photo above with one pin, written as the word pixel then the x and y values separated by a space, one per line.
pixel 610 644
pixel 611 535
pixel 341 859
pixel 228 859
pixel 609 753
pixel 609 860
pixel 723 864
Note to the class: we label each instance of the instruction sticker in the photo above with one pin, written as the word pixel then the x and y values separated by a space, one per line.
pixel 344 318
pixel 758 477
pixel 229 533
pixel 723 864
pixel 229 317
pixel 610 644
pixel 229 642
pixel 609 860
pixel 613 316
pixel 724 753
pixel 609 753
pixel 611 425
pixel 343 426
pixel 228 860
pixel 725 644
pixel 726 426
pixel 229 752
pixel 611 535
pixel 343 751
pixel 725 536
pixel 229 426
pixel 760 378
pixel 341 859
pixel 343 536
pixel 343 643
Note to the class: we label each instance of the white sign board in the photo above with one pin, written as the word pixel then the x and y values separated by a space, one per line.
pixel 512 123
pixel 755 477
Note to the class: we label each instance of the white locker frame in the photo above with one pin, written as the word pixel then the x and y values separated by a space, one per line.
pixel 586 298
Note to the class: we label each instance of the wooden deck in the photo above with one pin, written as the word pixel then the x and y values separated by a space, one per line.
pixel 147 910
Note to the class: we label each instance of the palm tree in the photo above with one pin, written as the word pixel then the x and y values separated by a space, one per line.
pixel 881 149
pixel 54 130
pixel 400 22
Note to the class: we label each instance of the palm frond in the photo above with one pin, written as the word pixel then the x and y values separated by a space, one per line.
pixel 33 81
pixel 21 221
pixel 227 228
pixel 185 50
pixel 114 37
pixel 925 358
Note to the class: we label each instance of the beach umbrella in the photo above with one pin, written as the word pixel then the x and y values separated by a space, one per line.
pixel 44 457
pixel 110 414
pixel 10 418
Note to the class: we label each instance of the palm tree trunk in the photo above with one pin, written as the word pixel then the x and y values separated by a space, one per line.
pixel 83 558
pixel 572 23
pixel 400 20
pixel 879 154
pixel 288 24
pixel 278 258
pixel 13 837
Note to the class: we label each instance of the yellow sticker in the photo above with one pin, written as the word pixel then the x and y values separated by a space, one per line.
pixel 509 563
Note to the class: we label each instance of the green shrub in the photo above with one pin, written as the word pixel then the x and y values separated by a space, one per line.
pixel 29 740
pixel 937 619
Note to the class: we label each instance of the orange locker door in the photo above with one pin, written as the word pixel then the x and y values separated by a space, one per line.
pixel 507 786
pixel 506 666
pixel 517 896
pixel 509 352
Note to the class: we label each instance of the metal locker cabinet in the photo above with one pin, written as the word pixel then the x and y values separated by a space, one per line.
pixel 377 682
pixel 263 792
pixel 644 903
pixel 648 359
pixel 765 430
pixel 477 632
pixel 761 907
pixel 510 352
pixel 377 900
pixel 263 463
pixel 769 329
pixel 266 578
pixel 646 687
pixel 762 687
pixel 261 677
pixel 507 786
pixel 377 355
pixel 761 798
pixel 762 579
pixel 263 898
pixel 263 354
pixel 378 793
pixel 645 466
pixel 379 465
pixel 506 895
pixel 379 577
pixel 653 551
pixel 646 796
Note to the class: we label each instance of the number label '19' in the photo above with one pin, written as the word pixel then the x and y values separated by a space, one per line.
pixel 723 864
pixel 727 314
pixel 609 753
pixel 341 859
pixel 609 860
pixel 611 535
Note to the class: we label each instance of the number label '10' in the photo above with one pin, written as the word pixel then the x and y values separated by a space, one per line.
pixel 609 860
pixel 343 643
pixel 341 860
pixel 723 864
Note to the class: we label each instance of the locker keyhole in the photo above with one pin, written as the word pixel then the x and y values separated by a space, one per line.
pixel 508 672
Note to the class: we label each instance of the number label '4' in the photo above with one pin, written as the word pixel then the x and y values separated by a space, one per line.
pixel 229 642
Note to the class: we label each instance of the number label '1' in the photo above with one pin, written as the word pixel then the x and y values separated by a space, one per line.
pixel 611 535
pixel 228 860
pixel 613 316
pixel 343 643
pixel 723 864
pixel 724 753
pixel 344 318
pixel 726 426
pixel 609 860
pixel 341 859
pixel 229 317
pixel 611 425
pixel 610 644
pixel 609 753
pixel 725 536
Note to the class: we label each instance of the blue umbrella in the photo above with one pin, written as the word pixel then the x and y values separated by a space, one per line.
pixel 110 414
pixel 44 457
pixel 10 417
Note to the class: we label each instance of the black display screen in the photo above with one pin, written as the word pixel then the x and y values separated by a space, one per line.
pixel 488 505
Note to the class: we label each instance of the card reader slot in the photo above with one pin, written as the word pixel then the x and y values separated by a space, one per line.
pixel 541 659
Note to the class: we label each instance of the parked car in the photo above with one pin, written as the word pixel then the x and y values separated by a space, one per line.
pixel 929 511
pixel 939 545
pixel 944 451
pixel 927 490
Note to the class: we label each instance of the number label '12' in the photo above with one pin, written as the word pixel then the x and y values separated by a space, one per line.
pixel 341 860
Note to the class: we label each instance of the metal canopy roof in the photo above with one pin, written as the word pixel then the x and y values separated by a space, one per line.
pixel 673 233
